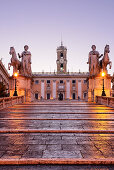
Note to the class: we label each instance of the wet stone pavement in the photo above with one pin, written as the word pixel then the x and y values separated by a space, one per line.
pixel 57 167
pixel 55 115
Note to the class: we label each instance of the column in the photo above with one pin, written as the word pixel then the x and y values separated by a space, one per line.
pixel 54 89
pixel 42 89
pixel 79 89
pixel 68 89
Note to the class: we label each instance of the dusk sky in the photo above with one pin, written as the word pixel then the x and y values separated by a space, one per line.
pixel 40 24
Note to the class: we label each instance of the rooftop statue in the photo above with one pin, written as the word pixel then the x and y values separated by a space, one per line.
pixel 23 66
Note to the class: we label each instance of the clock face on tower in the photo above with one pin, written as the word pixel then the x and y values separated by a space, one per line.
pixel 61 60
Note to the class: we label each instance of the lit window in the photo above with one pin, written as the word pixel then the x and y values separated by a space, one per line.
pixel 61 67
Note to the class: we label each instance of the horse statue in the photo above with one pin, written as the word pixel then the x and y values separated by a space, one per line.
pixel 105 61
pixel 14 61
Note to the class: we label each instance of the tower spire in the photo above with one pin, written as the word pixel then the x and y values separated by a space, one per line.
pixel 61 41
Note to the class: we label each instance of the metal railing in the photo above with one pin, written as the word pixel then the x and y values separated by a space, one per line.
pixel 108 101
pixel 10 101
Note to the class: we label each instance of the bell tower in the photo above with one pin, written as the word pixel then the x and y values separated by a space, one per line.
pixel 61 59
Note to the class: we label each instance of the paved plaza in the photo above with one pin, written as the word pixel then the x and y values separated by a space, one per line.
pixel 57 167
pixel 56 130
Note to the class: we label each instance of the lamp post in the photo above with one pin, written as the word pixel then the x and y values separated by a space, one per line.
pixel 103 91
pixel 15 92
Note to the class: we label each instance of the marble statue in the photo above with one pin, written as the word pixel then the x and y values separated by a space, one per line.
pixel 105 61
pixel 26 60
pixel 23 66
pixel 14 61
pixel 96 65
pixel 93 61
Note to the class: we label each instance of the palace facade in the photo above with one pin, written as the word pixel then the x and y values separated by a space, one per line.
pixel 68 85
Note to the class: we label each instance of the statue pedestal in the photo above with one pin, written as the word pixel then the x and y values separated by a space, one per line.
pixel 96 86
pixel 23 85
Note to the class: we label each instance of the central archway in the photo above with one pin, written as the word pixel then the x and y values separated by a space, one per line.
pixel 60 96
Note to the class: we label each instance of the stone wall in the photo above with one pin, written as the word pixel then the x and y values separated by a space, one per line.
pixel 24 87
pixel 96 85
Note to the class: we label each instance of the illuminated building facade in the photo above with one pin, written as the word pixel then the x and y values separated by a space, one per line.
pixel 71 85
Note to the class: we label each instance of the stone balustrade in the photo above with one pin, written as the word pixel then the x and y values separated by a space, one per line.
pixel 108 101
pixel 10 101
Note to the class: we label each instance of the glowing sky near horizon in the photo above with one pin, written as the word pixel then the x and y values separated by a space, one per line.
pixel 40 23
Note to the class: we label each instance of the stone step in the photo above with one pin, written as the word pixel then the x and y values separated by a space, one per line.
pixel 56 161
pixel 83 106
pixel 55 112
pixel 56 131
pixel 66 119
pixel 63 133
pixel 64 108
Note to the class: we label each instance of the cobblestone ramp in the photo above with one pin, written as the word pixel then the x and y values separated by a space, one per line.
pixel 57 133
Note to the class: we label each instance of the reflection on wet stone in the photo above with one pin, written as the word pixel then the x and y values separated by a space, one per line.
pixel 57 145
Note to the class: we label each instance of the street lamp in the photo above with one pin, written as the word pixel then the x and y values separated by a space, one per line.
pixel 15 92
pixel 103 91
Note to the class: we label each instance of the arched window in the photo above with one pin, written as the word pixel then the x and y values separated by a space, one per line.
pixel 61 54
pixel 61 65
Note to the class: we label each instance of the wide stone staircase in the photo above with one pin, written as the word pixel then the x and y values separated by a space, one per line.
pixel 57 132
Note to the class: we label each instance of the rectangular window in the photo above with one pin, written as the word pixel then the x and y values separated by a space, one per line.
pixel 36 81
pixel 61 81
pixel 85 94
pixel 85 82
pixel 48 81
pixel 73 81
